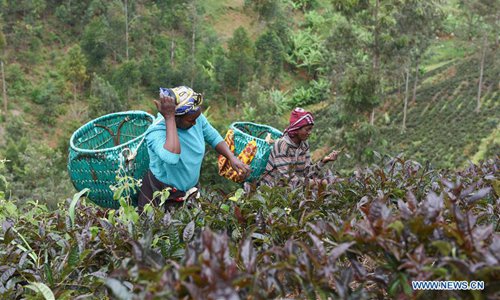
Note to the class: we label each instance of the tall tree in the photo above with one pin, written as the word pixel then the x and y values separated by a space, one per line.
pixel 270 56
pixel 75 68
pixel 374 21
pixel 125 11
pixel 416 22
pixel 103 98
pixel 3 46
pixel 405 107
pixel 95 43
pixel 266 9
pixel 194 21
pixel 240 58
pixel 486 13
pixel 127 78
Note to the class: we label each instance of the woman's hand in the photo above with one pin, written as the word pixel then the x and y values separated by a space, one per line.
pixel 166 106
pixel 331 157
pixel 242 169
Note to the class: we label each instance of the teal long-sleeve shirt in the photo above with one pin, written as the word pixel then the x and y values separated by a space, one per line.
pixel 181 171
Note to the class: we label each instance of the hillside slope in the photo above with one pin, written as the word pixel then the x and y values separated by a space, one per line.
pixel 442 125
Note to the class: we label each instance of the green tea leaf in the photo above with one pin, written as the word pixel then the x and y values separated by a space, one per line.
pixel 406 286
pixel 41 288
pixel 237 195
pixel 94 231
pixel 443 247
pixel 48 273
pixel 74 256
pixel 225 207
pixel 397 225
pixel 71 210
pixel 119 290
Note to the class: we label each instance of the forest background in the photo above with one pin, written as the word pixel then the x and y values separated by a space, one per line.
pixel 384 77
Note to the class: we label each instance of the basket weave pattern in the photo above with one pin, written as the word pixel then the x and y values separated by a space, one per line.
pixel 247 131
pixel 95 153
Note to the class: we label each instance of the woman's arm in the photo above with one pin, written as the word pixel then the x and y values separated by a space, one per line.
pixel 313 170
pixel 166 107
pixel 237 165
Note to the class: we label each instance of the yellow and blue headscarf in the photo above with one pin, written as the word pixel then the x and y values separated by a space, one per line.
pixel 186 100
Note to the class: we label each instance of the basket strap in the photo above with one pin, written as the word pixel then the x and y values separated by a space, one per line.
pixel 132 154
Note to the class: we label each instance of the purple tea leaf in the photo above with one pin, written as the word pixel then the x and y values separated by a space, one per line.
pixel 479 195
pixel 318 243
pixel 481 234
pixel 188 232
pixel 404 210
pixel 339 250
pixel 118 289
pixel 7 274
pixel 248 255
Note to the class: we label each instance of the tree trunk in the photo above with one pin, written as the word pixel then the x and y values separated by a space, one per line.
pixel 126 29
pixel 376 50
pixel 497 39
pixel 74 92
pixel 193 49
pixel 403 127
pixel 4 91
pixel 415 83
pixel 399 86
pixel 376 54
pixel 172 53
pixel 479 88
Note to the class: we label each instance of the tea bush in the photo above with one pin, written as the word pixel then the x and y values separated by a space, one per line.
pixel 363 236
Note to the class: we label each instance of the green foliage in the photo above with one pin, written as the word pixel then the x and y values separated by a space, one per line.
pixel 94 42
pixel 307 51
pixel 75 14
pixel 270 56
pixel 266 10
pixel 34 173
pixel 240 58
pixel 315 92
pixel 127 78
pixel 74 68
pixel 262 106
pixel 304 4
pixel 3 41
pixel 443 115
pixel 343 239
pixel 48 95
pixel 104 98
pixel 358 87
pixel 19 85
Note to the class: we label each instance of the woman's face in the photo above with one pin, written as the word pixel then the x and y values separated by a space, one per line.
pixel 304 132
pixel 187 121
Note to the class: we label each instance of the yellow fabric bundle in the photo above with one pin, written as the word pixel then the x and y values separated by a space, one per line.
pixel 246 156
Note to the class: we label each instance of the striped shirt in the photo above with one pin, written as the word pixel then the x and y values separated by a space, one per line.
pixel 290 162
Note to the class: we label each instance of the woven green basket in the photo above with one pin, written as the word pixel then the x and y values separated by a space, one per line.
pixel 95 153
pixel 247 131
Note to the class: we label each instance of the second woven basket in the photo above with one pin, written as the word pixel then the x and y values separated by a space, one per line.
pixel 247 131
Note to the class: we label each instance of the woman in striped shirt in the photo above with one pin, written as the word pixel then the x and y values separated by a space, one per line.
pixel 290 159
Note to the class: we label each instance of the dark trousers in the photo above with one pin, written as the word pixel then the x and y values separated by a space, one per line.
pixel 150 185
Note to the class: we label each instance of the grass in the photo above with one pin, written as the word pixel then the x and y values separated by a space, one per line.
pixel 227 15
pixel 444 51
pixel 487 142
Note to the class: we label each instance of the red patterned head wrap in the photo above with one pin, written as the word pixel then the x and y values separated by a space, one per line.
pixel 299 118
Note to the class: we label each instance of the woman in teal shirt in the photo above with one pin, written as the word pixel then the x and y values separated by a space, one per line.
pixel 176 146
